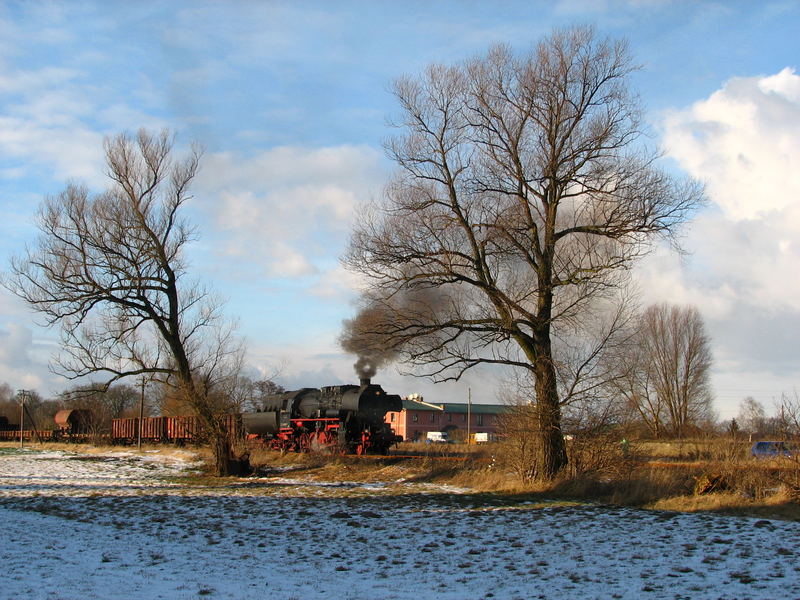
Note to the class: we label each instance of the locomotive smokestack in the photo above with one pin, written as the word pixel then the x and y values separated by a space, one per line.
pixel 365 368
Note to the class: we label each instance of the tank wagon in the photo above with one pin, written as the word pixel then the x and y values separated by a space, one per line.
pixel 346 418
pixel 71 422
pixel 71 425
pixel 9 431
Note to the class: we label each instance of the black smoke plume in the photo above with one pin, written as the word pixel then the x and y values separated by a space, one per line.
pixel 385 328
pixel 368 336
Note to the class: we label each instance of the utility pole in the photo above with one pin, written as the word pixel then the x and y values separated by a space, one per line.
pixel 21 414
pixel 469 415
pixel 141 416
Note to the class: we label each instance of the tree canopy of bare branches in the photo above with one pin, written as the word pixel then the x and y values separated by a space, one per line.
pixel 523 193
pixel 752 417
pixel 664 374
pixel 110 270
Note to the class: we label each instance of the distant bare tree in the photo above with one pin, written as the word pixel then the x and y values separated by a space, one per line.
pixel 105 404
pixel 261 390
pixel 523 194
pixel 635 383
pixel 37 409
pixel 110 270
pixel 121 400
pixel 788 417
pixel 752 416
pixel 666 370
pixel 248 395
pixel 9 404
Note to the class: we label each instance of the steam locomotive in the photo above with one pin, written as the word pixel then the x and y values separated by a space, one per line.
pixel 346 418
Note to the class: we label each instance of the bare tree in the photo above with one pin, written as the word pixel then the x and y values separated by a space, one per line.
pixel 110 270
pixel 666 370
pixel 635 381
pixel 105 404
pixel 788 414
pixel 39 411
pixel 593 424
pixel 9 405
pixel 522 195
pixel 752 416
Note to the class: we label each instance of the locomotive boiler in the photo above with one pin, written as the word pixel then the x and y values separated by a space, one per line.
pixel 345 418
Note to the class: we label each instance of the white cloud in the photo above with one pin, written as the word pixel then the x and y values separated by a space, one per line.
pixel 338 284
pixel 743 141
pixel 285 261
pixel 54 120
pixel 663 277
pixel 287 209
pixel 41 122
pixel 786 84
pixel 69 149
pixel 23 359
pixel 16 341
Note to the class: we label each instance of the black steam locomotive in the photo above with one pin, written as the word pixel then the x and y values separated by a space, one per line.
pixel 344 418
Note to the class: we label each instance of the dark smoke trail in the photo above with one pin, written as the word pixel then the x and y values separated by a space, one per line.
pixel 365 336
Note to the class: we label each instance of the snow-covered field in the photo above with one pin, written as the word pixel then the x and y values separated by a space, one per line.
pixel 117 526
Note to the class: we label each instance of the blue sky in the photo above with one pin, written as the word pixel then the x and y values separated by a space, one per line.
pixel 290 101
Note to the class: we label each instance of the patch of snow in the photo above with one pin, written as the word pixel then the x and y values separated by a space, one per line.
pixel 112 528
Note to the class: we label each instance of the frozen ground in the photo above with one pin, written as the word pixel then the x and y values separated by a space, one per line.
pixel 115 526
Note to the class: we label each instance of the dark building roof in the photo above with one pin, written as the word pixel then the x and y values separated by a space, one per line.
pixel 475 409
pixel 418 405
pixel 455 407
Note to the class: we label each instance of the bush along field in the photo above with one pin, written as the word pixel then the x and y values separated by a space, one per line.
pixel 713 474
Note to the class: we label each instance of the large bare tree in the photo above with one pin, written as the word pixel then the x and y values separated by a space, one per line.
pixel 110 270
pixel 523 191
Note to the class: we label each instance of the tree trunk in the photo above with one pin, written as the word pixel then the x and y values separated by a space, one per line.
pixel 552 450
pixel 220 441
pixel 214 427
pixel 220 447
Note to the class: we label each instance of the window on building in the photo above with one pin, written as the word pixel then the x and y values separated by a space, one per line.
pixel 415 417
pixel 433 417
pixel 449 417
pixel 480 419
pixel 463 418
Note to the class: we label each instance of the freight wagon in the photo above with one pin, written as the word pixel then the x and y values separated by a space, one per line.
pixel 173 430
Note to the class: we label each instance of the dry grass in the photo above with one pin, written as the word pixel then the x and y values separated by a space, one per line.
pixel 748 486
pixel 744 485
pixel 729 482
pixel 162 449
pixel 694 449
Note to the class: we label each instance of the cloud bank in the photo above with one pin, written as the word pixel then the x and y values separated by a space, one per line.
pixel 288 209
pixel 743 141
